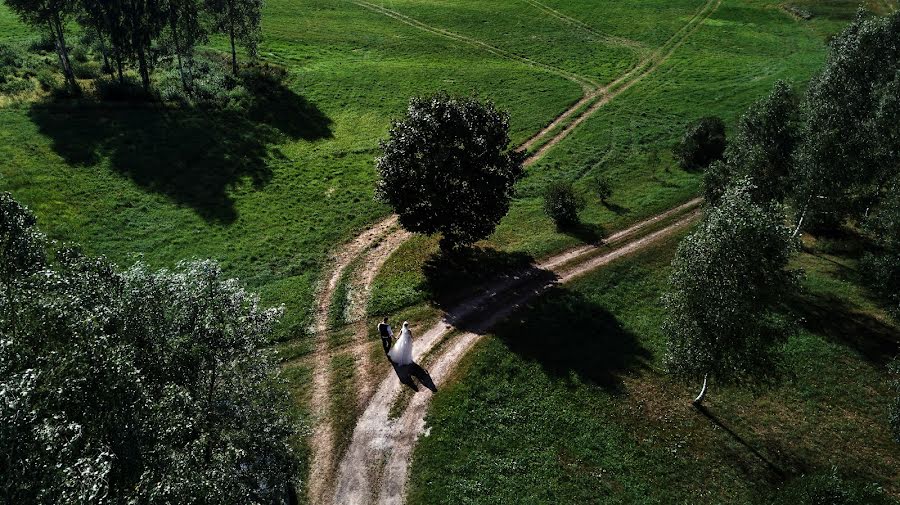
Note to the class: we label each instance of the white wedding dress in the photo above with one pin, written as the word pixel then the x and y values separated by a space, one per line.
pixel 401 353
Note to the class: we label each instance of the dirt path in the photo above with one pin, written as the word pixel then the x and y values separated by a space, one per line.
pixel 378 439
pixel 322 439
pixel 361 287
pixel 355 469
pixel 632 77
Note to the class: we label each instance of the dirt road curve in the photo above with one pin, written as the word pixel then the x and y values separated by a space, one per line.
pixel 375 465
pixel 377 438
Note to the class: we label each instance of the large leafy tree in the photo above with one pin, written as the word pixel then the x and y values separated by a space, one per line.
pixel 761 149
pixel 50 15
pixel 729 278
pixel 135 386
pixel 447 168
pixel 851 134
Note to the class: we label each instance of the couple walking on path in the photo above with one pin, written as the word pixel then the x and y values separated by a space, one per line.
pixel 401 352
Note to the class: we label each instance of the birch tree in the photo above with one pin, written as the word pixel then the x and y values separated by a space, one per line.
pixel 729 277
pixel 50 16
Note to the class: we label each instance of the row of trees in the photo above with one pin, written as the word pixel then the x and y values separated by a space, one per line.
pixel 826 158
pixel 137 32
pixel 133 386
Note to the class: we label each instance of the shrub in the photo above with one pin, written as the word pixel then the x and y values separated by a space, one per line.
pixel 604 188
pixel 562 204
pixel 47 78
pixel 128 90
pixel 703 142
pixel 86 70
pixel 11 59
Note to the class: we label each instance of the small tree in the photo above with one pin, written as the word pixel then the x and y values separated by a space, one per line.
pixel 703 142
pixel 604 188
pixel 240 21
pixel 562 204
pixel 729 278
pixel 50 15
pixel 447 168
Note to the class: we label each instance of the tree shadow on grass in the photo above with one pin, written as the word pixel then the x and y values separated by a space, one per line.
pixel 193 155
pixel 616 208
pixel 588 233
pixel 455 276
pixel 839 321
pixel 567 334
pixel 774 472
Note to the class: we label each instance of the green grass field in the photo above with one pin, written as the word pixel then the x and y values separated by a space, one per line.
pixel 270 196
pixel 569 402
pixel 271 193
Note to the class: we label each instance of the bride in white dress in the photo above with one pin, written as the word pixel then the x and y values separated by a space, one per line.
pixel 401 353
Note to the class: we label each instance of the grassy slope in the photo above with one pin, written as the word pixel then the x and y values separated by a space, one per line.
pixel 267 200
pixel 569 404
pixel 732 60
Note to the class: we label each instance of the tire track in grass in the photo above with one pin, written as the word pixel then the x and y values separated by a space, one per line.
pixel 631 78
pixel 605 37
pixel 586 83
pixel 363 279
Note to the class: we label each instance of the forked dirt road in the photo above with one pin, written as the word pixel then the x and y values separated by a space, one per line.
pixel 375 466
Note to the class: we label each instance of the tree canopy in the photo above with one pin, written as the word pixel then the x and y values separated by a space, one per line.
pixel 703 143
pixel 134 386
pixel 729 277
pixel 447 168
pixel 762 148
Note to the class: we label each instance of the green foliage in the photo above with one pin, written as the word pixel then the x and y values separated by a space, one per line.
pixel 604 188
pixel 728 282
pixel 828 489
pixel 763 146
pixel 852 119
pixel 447 168
pixel 562 204
pixel 134 386
pixel 240 21
pixel 703 142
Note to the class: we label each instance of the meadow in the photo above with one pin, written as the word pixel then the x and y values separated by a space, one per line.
pixel 569 401
pixel 273 193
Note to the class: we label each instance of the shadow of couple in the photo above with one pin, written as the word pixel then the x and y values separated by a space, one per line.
pixel 412 373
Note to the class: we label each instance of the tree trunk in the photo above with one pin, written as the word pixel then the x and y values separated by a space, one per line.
pixel 234 66
pixel 799 222
pixel 172 21
pixel 119 66
pixel 699 399
pixel 105 52
pixel 144 70
pixel 63 52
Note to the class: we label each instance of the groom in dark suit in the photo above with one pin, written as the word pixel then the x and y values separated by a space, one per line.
pixel 387 335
